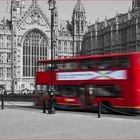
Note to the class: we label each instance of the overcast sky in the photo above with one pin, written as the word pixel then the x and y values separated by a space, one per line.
pixel 94 8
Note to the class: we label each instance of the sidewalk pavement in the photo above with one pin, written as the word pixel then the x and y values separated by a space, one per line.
pixel 32 124
pixel 15 103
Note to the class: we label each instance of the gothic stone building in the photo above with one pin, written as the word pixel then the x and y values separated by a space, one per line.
pixel 30 40
pixel 120 34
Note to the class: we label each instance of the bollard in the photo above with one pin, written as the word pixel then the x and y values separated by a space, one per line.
pixel 44 106
pixel 2 103
pixel 51 109
pixel 99 110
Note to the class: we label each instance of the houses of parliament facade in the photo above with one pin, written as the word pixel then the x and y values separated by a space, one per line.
pixel 30 39
pixel 120 34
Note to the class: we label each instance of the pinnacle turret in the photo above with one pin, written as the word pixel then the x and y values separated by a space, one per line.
pixel 79 7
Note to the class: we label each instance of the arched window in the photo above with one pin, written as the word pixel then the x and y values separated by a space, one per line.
pixel 59 46
pixel 82 26
pixel 77 27
pixel 65 46
pixel 34 48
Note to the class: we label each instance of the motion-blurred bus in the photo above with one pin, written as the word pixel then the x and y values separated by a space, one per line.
pixel 82 82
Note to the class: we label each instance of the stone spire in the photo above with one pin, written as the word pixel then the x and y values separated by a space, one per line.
pixel 79 25
pixel 79 7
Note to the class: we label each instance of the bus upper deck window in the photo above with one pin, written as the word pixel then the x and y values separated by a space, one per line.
pixel 84 67
pixel 105 63
pixel 123 62
pixel 86 64
pixel 41 67
pixel 55 67
pixel 70 66
pixel 92 65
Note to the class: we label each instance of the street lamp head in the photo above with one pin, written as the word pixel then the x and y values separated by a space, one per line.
pixel 51 4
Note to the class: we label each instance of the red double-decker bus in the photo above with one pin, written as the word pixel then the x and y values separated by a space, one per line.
pixel 82 82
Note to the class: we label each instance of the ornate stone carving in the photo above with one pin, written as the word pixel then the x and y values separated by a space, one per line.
pixel 33 15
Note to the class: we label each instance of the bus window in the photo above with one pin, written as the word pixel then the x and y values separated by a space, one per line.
pixel 82 94
pixel 69 91
pixel 88 64
pixel 48 68
pixel 55 66
pixel 67 66
pixel 108 91
pixel 122 62
pixel 84 64
pixel 41 89
pixel 45 67
pixel 102 63
pixel 91 89
pixel 105 63
pixel 41 67
pixel 57 91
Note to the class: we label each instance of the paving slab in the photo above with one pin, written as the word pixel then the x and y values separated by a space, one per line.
pixel 32 124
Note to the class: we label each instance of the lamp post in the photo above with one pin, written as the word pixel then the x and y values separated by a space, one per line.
pixel 73 30
pixel 12 47
pixel 73 47
pixel 51 109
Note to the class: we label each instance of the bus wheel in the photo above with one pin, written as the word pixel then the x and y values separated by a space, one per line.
pixel 106 107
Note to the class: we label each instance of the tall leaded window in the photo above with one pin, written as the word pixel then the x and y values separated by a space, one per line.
pixel 65 46
pixel 59 46
pixel 77 27
pixel 82 26
pixel 34 48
